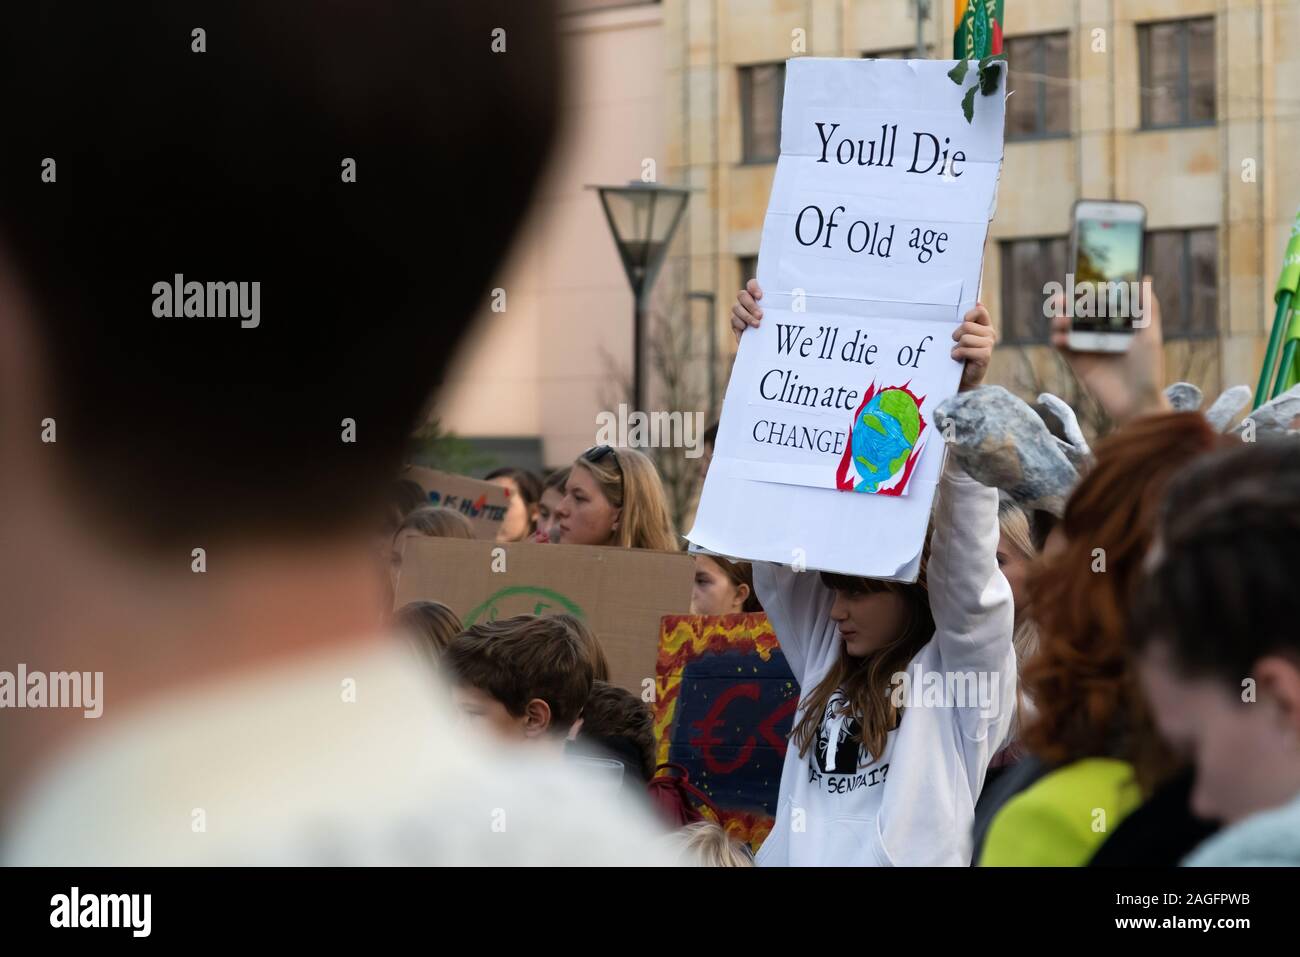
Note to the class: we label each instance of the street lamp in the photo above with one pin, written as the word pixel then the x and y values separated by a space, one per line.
pixel 643 218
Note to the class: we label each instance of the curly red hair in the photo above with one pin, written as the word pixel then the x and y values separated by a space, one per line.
pixel 1081 680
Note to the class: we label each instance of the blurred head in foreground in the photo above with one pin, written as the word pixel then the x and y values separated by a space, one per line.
pixel 239 243
pixel 1217 617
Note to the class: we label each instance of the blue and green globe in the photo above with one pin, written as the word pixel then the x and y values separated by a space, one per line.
pixel 884 436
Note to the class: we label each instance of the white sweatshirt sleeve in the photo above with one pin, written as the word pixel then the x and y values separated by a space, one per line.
pixel 799 608
pixel 969 596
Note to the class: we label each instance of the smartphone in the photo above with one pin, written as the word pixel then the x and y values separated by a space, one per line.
pixel 1103 291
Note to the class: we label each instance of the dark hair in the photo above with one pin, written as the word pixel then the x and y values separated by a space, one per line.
pixel 613 712
pixel 1041 524
pixel 432 622
pixel 530 486
pixel 437 521
pixel 404 497
pixel 518 659
pixel 227 166
pixel 711 434
pixel 1222 591
pixel 557 479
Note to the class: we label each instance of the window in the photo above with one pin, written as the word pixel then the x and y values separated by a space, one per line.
pixel 587 6
pixel 1027 266
pixel 1039 75
pixel 748 268
pixel 1184 263
pixel 900 53
pixel 761 90
pixel 1177 72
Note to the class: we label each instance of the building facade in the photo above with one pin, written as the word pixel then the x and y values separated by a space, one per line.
pixel 1191 107
pixel 553 338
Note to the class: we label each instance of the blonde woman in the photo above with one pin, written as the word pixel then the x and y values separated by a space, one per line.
pixel 614 497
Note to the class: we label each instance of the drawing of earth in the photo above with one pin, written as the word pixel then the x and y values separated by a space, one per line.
pixel 884 435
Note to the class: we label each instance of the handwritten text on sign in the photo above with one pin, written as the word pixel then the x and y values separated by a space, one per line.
pixel 871 252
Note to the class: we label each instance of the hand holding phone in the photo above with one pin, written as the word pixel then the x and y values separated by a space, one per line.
pixel 1102 289
pixel 1125 384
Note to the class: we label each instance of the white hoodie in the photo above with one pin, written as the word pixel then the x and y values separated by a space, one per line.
pixel 915 804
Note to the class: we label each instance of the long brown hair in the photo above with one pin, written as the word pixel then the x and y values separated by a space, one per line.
pixel 1081 680
pixel 867 682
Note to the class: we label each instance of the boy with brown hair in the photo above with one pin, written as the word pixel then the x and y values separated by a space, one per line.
pixel 523 678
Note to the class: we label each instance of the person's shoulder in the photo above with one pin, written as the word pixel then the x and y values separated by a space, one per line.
pixel 1063 816
pixel 1087 781
pixel 1268 839
pixel 289 772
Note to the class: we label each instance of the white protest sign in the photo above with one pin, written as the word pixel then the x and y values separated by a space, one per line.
pixel 871 253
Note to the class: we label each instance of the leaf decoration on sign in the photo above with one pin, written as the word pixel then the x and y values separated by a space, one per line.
pixel 989 72
pixel 968 104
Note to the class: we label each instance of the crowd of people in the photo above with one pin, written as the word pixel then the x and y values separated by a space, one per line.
pixel 1119 733
pixel 191 509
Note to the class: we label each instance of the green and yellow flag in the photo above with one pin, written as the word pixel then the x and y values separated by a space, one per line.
pixel 978 30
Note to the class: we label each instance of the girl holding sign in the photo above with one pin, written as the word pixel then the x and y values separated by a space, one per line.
pixel 878 773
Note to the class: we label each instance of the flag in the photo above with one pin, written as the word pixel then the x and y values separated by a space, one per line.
pixel 978 28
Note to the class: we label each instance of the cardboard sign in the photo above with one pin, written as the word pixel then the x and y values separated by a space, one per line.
pixel 871 254
pixel 483 503
pixel 622 593
pixel 724 707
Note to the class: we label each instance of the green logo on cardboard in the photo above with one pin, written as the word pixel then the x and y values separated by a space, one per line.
pixel 523 600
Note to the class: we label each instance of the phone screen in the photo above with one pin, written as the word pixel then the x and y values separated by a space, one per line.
pixel 1107 274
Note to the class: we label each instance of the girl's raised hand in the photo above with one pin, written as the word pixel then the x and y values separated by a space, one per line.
pixel 745 312
pixel 974 337
pixel 974 340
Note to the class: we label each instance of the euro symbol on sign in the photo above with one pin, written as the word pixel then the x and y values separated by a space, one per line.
pixel 706 740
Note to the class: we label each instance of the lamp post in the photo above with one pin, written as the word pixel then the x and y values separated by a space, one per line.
pixel 643 218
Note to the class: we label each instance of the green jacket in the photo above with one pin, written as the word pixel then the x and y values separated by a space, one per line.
pixel 1063 818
